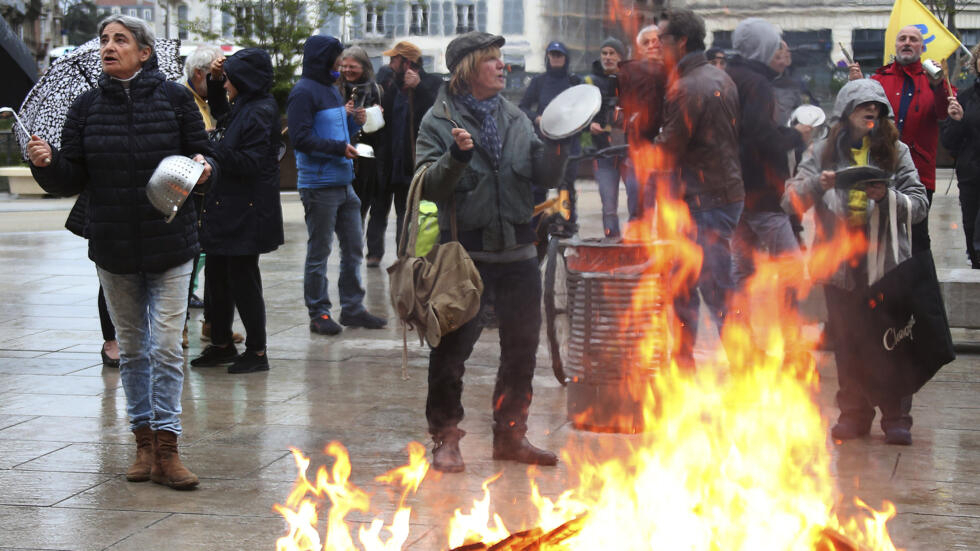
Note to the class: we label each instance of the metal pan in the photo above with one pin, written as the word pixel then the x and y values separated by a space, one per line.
pixel 570 112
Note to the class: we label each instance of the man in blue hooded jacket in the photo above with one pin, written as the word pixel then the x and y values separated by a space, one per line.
pixel 320 129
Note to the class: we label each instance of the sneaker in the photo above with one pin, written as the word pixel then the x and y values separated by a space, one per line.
pixel 898 437
pixel 363 319
pixel 195 302
pixel 249 362
pixel 325 325
pixel 372 262
pixel 213 356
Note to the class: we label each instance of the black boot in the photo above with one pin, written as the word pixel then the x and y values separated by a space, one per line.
pixel 446 456
pixel 515 447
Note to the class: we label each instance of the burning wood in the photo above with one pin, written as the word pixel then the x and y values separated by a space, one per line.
pixel 534 539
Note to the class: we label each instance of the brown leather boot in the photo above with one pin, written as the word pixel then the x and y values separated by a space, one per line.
pixel 167 468
pixel 446 456
pixel 515 447
pixel 139 471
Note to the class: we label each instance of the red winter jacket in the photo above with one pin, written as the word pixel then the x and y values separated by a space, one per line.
pixel 921 129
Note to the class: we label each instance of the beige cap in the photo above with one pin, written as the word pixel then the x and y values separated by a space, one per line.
pixel 407 50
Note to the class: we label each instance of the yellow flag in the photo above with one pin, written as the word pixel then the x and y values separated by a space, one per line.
pixel 939 43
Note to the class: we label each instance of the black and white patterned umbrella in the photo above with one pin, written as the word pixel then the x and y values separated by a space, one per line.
pixel 46 106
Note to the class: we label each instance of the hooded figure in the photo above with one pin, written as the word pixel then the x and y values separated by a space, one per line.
pixel 862 134
pixel 833 207
pixel 242 216
pixel 321 131
pixel 542 89
pixel 763 149
pixel 318 125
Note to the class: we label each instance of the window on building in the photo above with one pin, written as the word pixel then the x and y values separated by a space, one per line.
pixel 465 17
pixel 148 15
pixel 435 25
pixel 448 18
pixel 969 37
pixel 418 22
pixel 227 25
pixel 116 10
pixel 513 17
pixel 721 39
pixel 182 22
pixel 374 19
pixel 132 12
pixel 868 47
pixel 809 48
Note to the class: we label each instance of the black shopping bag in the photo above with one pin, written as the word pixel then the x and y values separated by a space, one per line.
pixel 906 330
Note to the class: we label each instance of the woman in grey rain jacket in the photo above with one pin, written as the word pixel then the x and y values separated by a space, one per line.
pixel 485 167
pixel 862 134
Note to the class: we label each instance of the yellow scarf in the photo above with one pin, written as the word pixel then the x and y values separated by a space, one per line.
pixel 857 199
pixel 203 107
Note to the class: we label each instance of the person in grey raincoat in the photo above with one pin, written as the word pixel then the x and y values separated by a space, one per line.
pixel 862 133
pixel 487 167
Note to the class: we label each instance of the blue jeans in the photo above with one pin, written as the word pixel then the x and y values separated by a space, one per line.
pixel 328 210
pixel 715 228
pixel 607 175
pixel 770 232
pixel 148 310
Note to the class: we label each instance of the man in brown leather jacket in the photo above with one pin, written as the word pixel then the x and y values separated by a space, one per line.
pixel 699 141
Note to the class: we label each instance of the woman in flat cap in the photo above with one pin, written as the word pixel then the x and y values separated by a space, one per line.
pixel 486 165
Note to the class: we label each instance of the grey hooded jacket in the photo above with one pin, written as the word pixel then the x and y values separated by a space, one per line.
pixel 830 206
pixel 493 205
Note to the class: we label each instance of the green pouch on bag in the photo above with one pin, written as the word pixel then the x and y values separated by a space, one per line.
pixel 428 228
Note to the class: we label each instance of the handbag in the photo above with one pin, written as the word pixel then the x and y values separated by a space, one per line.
pixel 904 324
pixel 437 293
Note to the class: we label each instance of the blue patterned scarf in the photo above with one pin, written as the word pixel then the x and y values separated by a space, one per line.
pixel 485 111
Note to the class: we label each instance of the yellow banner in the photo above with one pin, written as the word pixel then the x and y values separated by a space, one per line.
pixel 939 43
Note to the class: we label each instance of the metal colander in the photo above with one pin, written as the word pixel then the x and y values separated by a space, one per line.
pixel 171 183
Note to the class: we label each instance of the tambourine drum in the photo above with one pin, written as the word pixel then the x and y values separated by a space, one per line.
pixel 570 112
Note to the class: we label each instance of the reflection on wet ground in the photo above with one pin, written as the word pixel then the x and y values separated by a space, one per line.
pixel 65 444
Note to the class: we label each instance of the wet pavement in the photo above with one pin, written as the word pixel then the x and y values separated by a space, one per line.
pixel 65 443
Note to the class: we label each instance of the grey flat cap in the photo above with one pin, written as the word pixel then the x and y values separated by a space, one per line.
pixel 469 42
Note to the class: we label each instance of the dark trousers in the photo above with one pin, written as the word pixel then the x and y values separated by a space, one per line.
pixel 843 311
pixel 516 287
pixel 378 222
pixel 235 280
pixel 365 183
pixel 920 231
pixel 108 330
pixel 970 208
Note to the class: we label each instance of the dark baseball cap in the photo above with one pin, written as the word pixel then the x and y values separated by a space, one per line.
pixel 470 42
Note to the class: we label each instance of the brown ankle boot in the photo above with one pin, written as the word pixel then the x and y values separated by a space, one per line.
pixel 139 471
pixel 167 468
pixel 446 456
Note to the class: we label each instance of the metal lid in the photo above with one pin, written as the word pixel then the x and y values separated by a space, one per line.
pixel 810 115
pixel 571 111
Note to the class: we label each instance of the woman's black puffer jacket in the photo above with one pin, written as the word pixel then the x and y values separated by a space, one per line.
pixel 242 213
pixel 110 145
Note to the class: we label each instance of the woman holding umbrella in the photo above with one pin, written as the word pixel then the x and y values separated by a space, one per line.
pixel 114 137
pixel 242 217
